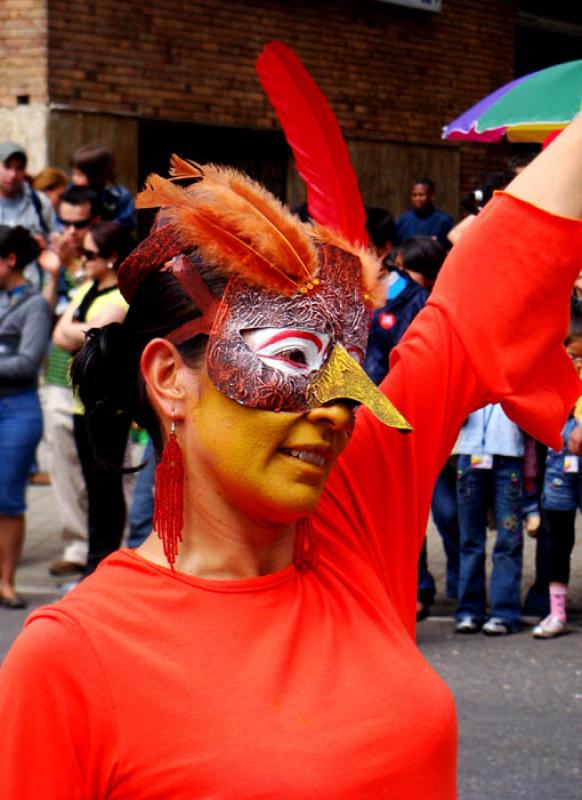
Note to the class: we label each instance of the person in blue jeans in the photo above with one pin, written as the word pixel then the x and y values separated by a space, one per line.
pixel 490 473
pixel 141 513
pixel 561 497
pixel 25 322
pixel 444 511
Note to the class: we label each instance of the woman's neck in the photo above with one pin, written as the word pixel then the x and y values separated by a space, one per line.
pixel 107 280
pixel 220 543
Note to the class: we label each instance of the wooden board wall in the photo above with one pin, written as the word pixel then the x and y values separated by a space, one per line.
pixel 68 130
pixel 386 172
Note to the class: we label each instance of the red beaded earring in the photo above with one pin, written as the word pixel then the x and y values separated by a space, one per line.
pixel 169 497
pixel 305 552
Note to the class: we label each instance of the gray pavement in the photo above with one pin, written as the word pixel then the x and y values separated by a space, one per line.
pixel 519 700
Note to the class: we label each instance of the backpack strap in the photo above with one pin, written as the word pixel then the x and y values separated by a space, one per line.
pixel 38 208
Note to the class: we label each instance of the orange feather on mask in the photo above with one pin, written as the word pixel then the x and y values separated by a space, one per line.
pixel 235 224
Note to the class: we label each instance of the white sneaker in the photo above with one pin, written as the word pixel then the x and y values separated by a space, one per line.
pixel 549 628
pixel 467 624
pixel 495 626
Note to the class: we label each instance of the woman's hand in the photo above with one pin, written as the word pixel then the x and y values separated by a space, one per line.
pixel 50 264
pixel 575 441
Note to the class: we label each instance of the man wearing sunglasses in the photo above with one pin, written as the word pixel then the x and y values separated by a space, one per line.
pixel 78 209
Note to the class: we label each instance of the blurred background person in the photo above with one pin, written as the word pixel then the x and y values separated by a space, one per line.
pixel 562 496
pixel 20 204
pixel 421 258
pixel 423 219
pixel 475 201
pixel 98 302
pixel 93 166
pixel 78 209
pixel 52 182
pixel 410 274
pixel 490 473
pixel 25 322
pixel 381 229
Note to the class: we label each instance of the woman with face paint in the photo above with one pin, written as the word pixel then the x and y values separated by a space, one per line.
pixel 260 643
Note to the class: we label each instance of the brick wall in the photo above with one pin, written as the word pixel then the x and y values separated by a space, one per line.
pixel 391 74
pixel 23 52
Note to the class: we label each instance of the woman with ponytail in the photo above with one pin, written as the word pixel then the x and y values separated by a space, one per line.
pixel 25 322
pixel 260 643
pixel 96 311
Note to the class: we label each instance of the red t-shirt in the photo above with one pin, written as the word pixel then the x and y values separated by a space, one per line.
pixel 143 683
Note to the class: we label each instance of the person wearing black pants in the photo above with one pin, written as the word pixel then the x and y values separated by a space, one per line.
pixel 104 480
pixel 101 447
pixel 562 527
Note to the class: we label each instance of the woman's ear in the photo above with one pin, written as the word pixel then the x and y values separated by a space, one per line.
pixel 171 384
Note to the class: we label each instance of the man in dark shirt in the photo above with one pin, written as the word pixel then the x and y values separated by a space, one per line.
pixel 423 219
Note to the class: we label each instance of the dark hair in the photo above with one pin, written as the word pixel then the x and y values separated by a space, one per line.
pixel 474 201
pixel 106 371
pixel 112 239
pixel 380 226
pixel 520 161
pixel 575 326
pixel 18 240
pixel 423 254
pixel 428 182
pixel 97 163
pixel 79 195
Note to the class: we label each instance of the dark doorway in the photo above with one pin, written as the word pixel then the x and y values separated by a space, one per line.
pixel 547 34
pixel 261 154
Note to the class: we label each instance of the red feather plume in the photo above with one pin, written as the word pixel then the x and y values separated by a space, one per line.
pixel 312 131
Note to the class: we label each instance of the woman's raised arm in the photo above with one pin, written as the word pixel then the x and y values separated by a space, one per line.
pixel 492 331
pixel 553 181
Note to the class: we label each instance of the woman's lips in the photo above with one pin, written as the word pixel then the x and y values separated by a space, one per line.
pixel 310 456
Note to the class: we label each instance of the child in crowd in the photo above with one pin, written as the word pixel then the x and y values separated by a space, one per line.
pixel 561 497
pixel 411 274
pixel 490 472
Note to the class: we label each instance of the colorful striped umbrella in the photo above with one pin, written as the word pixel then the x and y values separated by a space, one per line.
pixel 524 110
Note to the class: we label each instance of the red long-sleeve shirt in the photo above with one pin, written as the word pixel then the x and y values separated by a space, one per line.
pixel 143 683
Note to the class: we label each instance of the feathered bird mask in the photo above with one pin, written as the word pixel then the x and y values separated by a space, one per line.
pixel 291 329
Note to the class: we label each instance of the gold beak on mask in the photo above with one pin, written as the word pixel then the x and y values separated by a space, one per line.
pixel 342 378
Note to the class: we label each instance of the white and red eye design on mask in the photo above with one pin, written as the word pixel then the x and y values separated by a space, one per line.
pixel 292 351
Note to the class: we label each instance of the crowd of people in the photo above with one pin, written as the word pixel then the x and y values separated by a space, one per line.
pixel 496 477
pixel 62 238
